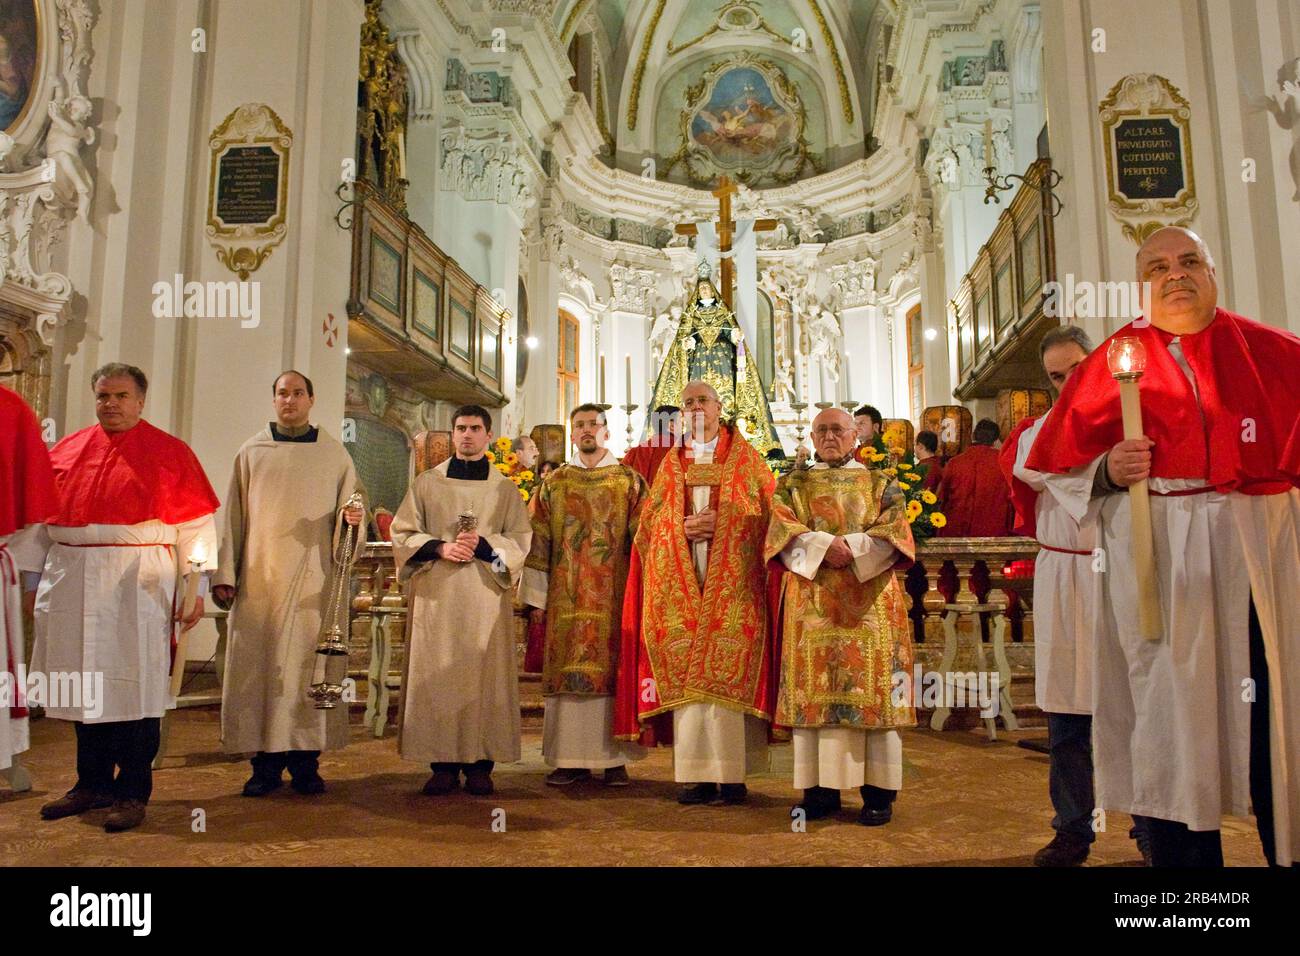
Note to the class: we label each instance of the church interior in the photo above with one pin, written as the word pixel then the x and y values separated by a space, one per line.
pixel 427 204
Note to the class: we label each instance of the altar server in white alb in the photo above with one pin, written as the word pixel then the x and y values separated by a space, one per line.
pixel 1204 720
pixel 136 508
pixel 1064 594
pixel 282 541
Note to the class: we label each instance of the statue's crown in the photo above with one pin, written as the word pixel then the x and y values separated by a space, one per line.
pixel 703 270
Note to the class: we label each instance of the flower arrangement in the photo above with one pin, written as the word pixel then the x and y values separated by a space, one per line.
pixel 922 504
pixel 504 459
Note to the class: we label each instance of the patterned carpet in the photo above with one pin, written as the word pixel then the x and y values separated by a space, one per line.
pixel 966 802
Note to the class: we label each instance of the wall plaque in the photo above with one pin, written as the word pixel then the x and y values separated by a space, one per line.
pixel 248 187
pixel 1146 128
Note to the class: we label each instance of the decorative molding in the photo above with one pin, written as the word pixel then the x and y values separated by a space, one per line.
pixel 633 289
pixel 487 168
pixel 1027 53
pixel 846 100
pixel 421 74
pixel 634 99
pixel 854 283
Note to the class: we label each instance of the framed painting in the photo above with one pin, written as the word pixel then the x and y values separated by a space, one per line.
pixel 20 50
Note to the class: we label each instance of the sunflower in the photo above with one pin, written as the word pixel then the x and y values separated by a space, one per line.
pixel 911 519
pixel 526 475
pixel 877 456
pixel 928 497
pixel 905 486
pixel 503 443
pixel 913 509
pixel 503 468
pixel 938 520
pixel 523 493
pixel 891 472
pixel 517 479
pixel 510 458
pixel 492 459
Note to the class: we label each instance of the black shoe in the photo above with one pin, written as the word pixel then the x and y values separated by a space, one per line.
pixel 877 806
pixel 125 815
pixel 566 775
pixel 259 785
pixel 616 777
pixel 75 802
pixel 1065 849
pixel 441 783
pixel 1143 841
pixel 478 783
pixel 733 794
pixel 817 803
pixel 308 784
pixel 697 793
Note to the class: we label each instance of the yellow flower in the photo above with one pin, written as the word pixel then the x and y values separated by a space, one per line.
pixel 891 472
pixel 492 459
pixel 938 520
pixel 913 509
pixel 523 493
pixel 526 475
pixel 877 456
pixel 911 475
pixel 503 443
pixel 516 478
pixel 896 451
pixel 911 519
pixel 511 459
pixel 905 486
pixel 928 497
pixel 503 468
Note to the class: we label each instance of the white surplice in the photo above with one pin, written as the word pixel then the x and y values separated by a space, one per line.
pixel 1064 588
pixel 18 556
pixel 844 758
pixel 1171 718
pixel 577 730
pixel 712 743
pixel 104 607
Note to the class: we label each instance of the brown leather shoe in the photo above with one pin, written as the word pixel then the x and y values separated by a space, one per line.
pixel 1066 849
pixel 125 815
pixel 74 802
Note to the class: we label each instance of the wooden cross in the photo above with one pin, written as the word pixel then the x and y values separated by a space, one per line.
pixel 726 189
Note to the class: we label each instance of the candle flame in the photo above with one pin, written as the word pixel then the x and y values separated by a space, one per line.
pixel 1126 360
pixel 199 555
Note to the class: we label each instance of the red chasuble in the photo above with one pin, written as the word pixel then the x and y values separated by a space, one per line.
pixel 27 490
pixel 683 644
pixel 1244 435
pixel 1023 498
pixel 129 477
pixel 974 497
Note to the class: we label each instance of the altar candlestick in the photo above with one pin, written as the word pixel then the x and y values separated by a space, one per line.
pixel 627 358
pixel 602 378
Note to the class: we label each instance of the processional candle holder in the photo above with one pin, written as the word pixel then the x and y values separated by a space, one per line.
pixel 326 691
pixel 628 409
pixel 1127 360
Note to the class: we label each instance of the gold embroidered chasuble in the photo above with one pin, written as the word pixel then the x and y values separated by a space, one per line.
pixel 583 524
pixel 842 640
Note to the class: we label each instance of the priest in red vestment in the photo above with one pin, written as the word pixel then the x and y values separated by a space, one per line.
pixel 28 498
pixel 1205 720
pixel 696 665
pixel 665 427
pixel 135 504
pixel 973 494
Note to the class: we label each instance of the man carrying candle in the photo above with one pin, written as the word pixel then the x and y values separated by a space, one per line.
pixel 282 534
pixel 1202 720
pixel 135 502
pixel 460 539
pixel 28 498
pixel 584 518
pixel 696 667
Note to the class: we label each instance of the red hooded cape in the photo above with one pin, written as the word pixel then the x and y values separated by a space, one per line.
pixel 28 494
pixel 1248 438
pixel 129 477
pixel 1024 498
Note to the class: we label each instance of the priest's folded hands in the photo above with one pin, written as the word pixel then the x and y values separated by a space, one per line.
pixel 699 527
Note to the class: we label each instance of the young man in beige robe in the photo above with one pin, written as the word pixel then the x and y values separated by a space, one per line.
pixel 460 539
pixel 282 538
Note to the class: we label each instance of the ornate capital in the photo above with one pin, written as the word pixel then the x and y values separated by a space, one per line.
pixel 633 289
pixel 854 283
pixel 487 168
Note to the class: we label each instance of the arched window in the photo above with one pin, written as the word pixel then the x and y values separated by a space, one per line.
pixel 567 368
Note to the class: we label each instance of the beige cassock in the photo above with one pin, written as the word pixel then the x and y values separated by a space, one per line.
pixel 281 536
pixel 460 689
pixel 1171 718
pixel 17 555
pixel 1064 591
pixel 104 606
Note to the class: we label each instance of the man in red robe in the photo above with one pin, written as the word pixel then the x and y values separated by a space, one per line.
pixel 696 665
pixel 926 449
pixel 1203 720
pixel 973 494
pixel 645 459
pixel 28 498
pixel 135 501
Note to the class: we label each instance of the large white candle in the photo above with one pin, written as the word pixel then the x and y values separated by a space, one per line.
pixel 198 558
pixel 628 375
